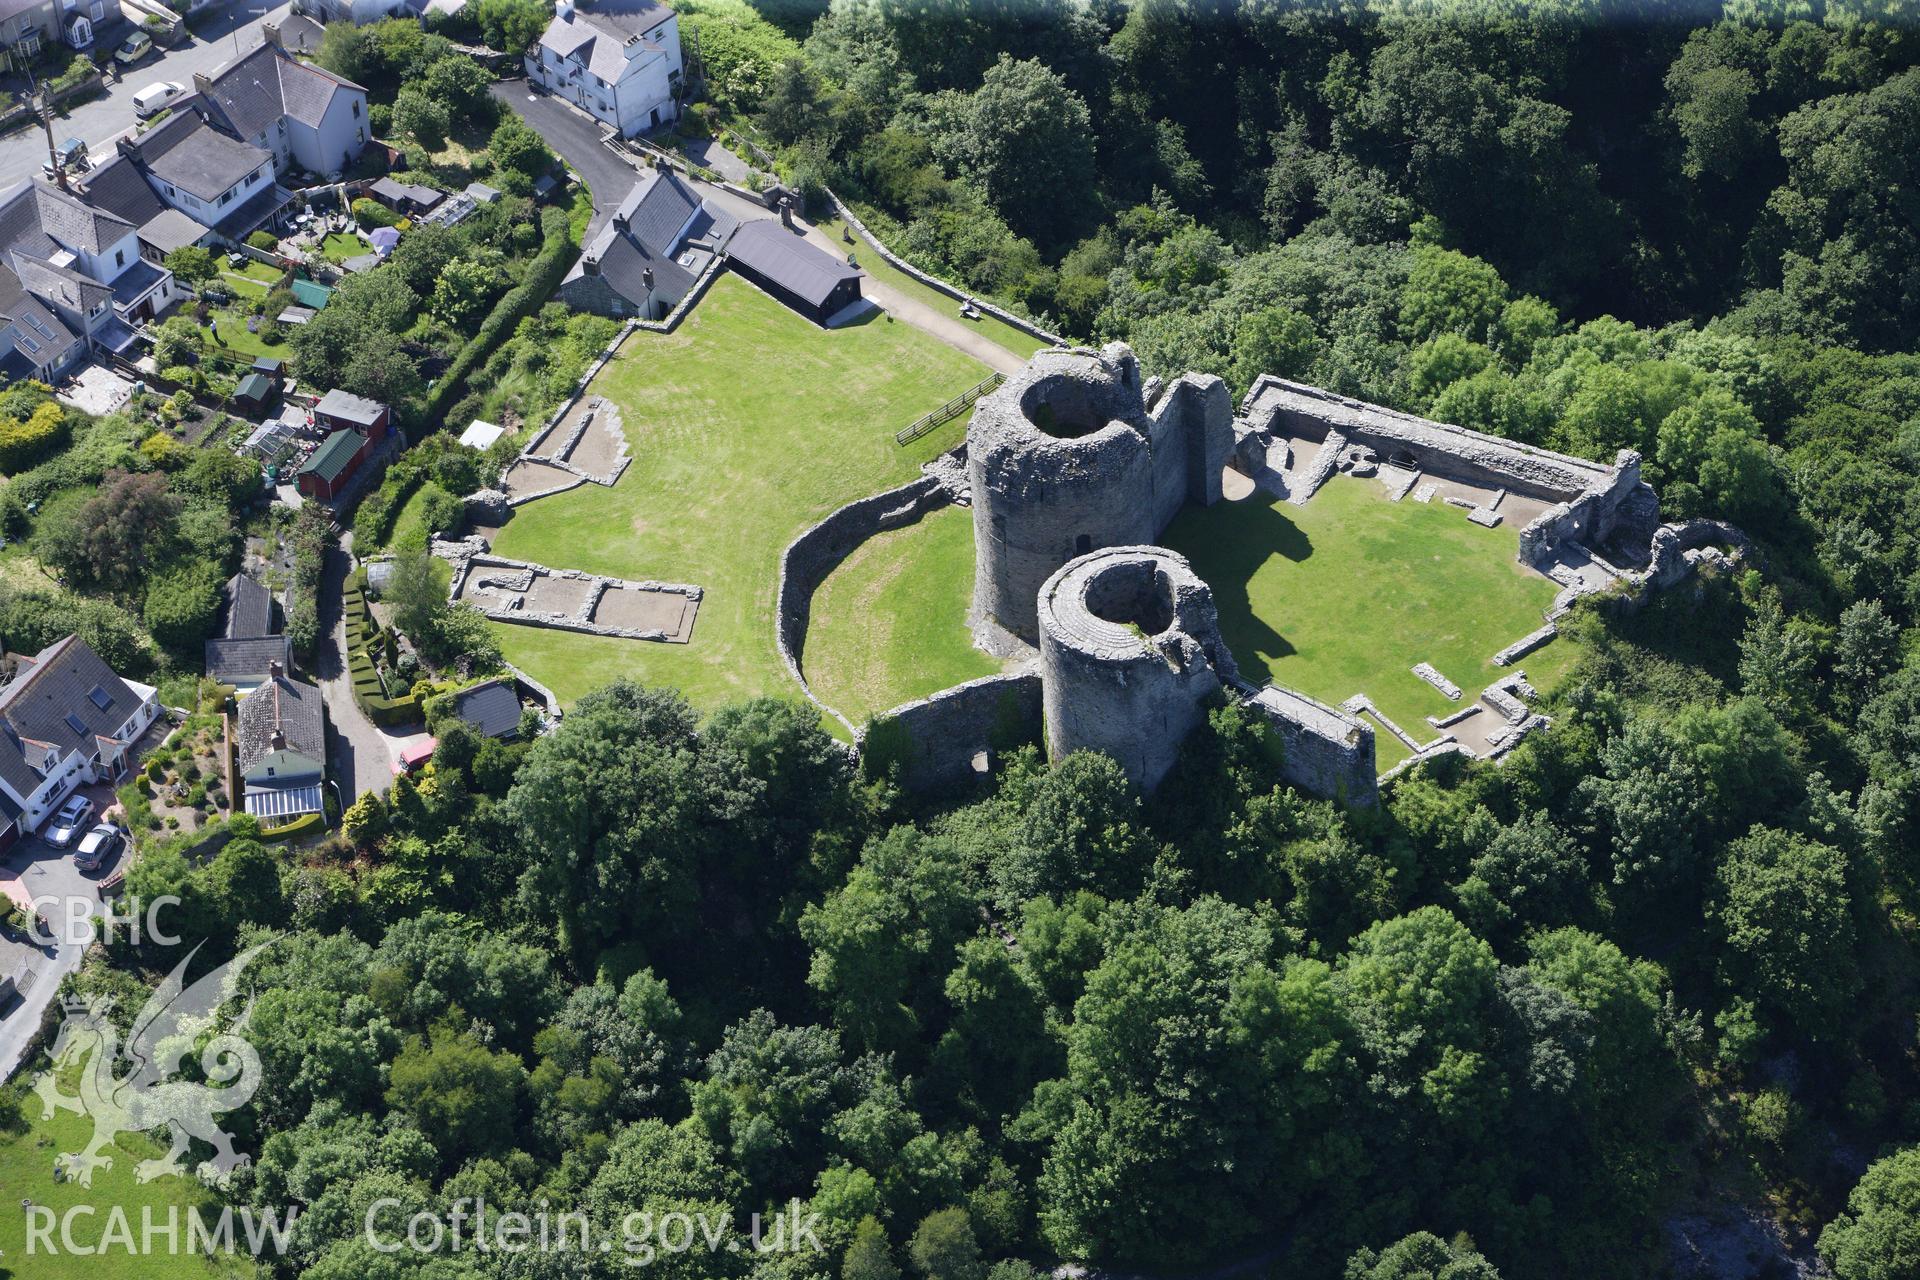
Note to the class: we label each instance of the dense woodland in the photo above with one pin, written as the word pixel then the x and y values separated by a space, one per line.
pixel 1515 1021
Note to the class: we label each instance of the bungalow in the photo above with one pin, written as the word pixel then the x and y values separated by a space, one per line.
pixel 343 411
pixel 491 708
pixel 325 474
pixel 250 646
pixel 65 719
pixel 619 62
pixel 282 749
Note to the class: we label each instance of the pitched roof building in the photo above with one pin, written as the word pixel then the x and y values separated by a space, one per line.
pixel 806 278
pixel 647 256
pixel 66 718
pixel 618 61
pixel 282 748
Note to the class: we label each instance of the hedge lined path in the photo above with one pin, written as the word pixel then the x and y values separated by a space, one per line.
pixel 360 753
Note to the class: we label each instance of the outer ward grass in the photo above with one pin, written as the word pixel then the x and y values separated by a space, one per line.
pixel 746 425
pixel 890 624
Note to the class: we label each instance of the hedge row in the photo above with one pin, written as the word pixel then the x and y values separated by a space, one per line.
pixel 368 691
pixel 298 827
pixel 544 275
pixel 380 509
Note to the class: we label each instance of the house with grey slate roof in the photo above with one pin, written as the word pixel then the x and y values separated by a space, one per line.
pixel 72 281
pixel 250 646
pixel 617 60
pixel 306 116
pixel 65 719
pixel 282 749
pixel 649 253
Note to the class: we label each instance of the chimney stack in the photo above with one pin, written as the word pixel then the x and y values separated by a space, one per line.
pixel 786 211
pixel 271 30
pixel 201 84
pixel 563 9
pixel 274 669
pixel 589 265
pixel 278 742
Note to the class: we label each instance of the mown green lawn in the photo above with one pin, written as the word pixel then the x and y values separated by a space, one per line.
pixel 338 246
pixel 746 424
pixel 1347 593
pixel 26 1173
pixel 890 624
pixel 232 326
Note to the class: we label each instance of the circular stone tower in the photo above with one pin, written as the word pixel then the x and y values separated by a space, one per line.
pixel 1060 464
pixel 1130 650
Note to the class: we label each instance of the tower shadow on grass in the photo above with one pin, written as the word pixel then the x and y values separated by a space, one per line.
pixel 1227 544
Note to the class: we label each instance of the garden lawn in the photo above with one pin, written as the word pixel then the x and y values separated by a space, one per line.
pixel 255 279
pixel 232 326
pixel 746 424
pixel 999 332
pixel 338 246
pixel 890 624
pixel 1346 594
pixel 26 1172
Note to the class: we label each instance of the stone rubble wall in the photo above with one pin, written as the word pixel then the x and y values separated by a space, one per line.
pixel 1586 519
pixel 1403 439
pixel 936 739
pixel 1426 671
pixel 1525 645
pixel 818 551
pixel 1322 750
pixel 472 559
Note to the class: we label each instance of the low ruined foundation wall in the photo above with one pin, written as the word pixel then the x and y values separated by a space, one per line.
pixel 935 740
pixel 809 558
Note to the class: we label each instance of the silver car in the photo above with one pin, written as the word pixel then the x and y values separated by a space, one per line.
pixel 97 846
pixel 68 823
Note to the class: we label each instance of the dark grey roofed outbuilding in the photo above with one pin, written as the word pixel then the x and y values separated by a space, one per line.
pixel 778 259
pixel 247 660
pixel 171 229
pixel 348 407
pixel 492 708
pixel 249 608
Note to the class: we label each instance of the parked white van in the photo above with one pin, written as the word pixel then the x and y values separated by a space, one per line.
pixel 155 96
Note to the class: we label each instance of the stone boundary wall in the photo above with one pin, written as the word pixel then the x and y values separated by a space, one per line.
pixel 1467 456
pixel 936 739
pixel 1323 750
pixel 558 455
pixel 935 282
pixel 540 691
pixel 819 550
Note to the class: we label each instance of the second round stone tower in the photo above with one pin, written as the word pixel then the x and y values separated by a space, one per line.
pixel 1068 457
pixel 1130 656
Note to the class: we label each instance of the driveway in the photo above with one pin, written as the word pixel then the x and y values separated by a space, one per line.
pixel 360 754
pixel 71 900
pixel 576 137
pixel 222 34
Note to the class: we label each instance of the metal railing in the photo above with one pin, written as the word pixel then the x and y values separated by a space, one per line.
pixel 949 411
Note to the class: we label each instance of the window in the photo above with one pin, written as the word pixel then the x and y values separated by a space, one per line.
pixel 171 193
pixel 100 698
pixel 30 43
pixel 356 115
pixel 119 257
pixel 226 197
